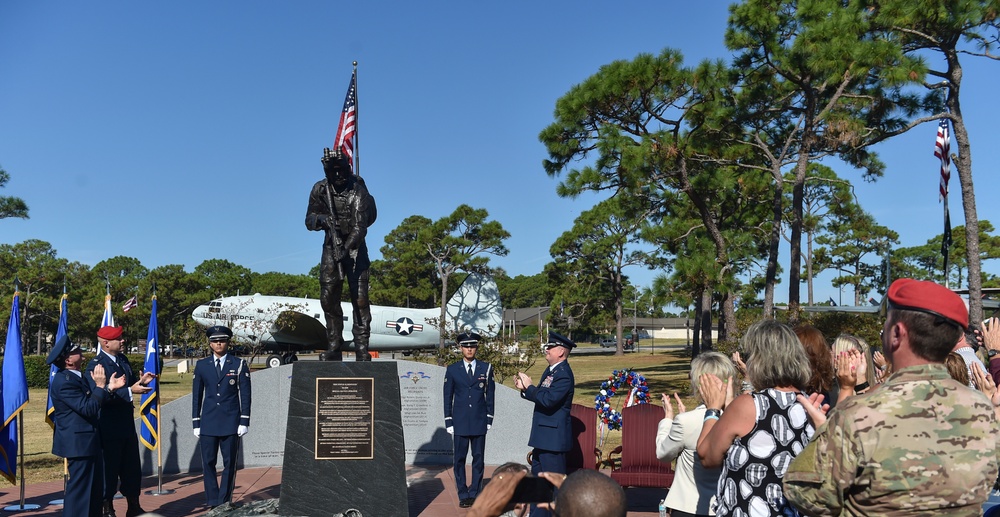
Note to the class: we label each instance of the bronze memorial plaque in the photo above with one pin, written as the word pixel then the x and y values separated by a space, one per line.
pixel 344 418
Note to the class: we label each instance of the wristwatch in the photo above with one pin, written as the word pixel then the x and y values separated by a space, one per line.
pixel 991 352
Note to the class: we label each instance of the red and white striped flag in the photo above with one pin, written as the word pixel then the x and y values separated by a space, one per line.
pixel 132 303
pixel 941 146
pixel 348 122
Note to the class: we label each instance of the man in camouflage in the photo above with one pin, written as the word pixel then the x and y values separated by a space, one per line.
pixel 919 444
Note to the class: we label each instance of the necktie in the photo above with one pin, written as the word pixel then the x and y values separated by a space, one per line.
pixel 470 371
pixel 218 367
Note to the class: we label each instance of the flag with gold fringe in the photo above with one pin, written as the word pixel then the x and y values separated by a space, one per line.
pixel 61 330
pixel 149 409
pixel 14 384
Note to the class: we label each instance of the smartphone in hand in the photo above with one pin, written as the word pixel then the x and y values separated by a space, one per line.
pixel 532 489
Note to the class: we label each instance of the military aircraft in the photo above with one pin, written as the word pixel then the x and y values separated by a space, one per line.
pixel 282 325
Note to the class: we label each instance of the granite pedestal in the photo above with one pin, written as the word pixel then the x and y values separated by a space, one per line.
pixel 328 469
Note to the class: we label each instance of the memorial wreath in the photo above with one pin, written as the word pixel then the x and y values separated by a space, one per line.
pixel 637 393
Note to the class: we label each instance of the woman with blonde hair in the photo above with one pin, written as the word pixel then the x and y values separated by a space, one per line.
pixel 694 486
pixel 757 435
pixel 855 369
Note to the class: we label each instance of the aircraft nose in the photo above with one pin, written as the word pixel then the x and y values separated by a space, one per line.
pixel 201 315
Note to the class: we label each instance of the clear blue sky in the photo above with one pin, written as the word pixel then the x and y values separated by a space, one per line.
pixel 176 132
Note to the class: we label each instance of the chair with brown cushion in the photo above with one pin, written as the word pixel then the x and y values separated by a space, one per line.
pixel 639 466
pixel 584 454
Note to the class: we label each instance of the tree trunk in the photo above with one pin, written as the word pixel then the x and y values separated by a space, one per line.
pixel 963 165
pixel 795 251
pixel 443 324
pixel 727 316
pixel 771 277
pixel 809 266
pixel 617 291
pixel 706 317
pixel 696 330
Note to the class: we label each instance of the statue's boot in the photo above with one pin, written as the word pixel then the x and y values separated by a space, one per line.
pixel 334 352
pixel 361 350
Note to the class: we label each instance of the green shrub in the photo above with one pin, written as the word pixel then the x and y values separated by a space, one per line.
pixel 37 372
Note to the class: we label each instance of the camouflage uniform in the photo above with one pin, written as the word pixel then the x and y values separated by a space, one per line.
pixel 920 444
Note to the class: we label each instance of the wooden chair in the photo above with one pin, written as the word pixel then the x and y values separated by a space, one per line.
pixel 584 454
pixel 639 466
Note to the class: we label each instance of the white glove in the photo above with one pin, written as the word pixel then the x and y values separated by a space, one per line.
pixel 451 430
pixel 488 427
pixel 197 432
pixel 242 430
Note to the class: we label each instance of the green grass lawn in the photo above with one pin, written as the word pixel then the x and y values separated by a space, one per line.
pixel 665 372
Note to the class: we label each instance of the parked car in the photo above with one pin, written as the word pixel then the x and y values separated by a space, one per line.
pixel 609 342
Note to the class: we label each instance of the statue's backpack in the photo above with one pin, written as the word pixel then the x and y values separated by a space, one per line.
pixel 372 209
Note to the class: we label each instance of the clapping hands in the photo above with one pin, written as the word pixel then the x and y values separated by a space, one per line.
pixel 668 410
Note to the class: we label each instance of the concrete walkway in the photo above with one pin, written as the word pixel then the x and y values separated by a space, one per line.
pixel 430 493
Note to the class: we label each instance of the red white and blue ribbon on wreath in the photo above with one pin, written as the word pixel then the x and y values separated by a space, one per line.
pixel 625 379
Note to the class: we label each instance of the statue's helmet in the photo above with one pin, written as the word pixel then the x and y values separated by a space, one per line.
pixel 336 166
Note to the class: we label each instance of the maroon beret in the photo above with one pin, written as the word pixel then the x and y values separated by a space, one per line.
pixel 923 296
pixel 109 333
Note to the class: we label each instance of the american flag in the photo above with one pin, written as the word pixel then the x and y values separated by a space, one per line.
pixel 132 303
pixel 941 145
pixel 348 122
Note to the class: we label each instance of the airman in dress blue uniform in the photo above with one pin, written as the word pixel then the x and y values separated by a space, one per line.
pixel 468 413
pixel 551 429
pixel 118 439
pixel 220 412
pixel 77 434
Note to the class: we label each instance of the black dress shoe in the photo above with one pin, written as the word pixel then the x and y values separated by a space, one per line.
pixel 467 502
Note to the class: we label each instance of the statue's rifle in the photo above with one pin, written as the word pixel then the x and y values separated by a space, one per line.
pixel 338 244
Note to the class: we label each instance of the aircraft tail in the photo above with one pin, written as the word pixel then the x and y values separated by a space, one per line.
pixel 476 305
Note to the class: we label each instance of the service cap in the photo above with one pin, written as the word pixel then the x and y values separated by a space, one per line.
pixel 468 338
pixel 109 333
pixel 558 340
pixel 930 298
pixel 61 350
pixel 218 331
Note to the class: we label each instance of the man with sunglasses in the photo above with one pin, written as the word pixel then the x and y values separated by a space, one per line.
pixel 220 413
pixel 551 428
pixel 919 443
pixel 119 443
pixel 468 413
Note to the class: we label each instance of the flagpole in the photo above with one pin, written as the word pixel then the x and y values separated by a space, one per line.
pixel 357 127
pixel 13 376
pixel 945 238
pixel 156 390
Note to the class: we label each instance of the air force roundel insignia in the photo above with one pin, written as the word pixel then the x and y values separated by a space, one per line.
pixel 404 326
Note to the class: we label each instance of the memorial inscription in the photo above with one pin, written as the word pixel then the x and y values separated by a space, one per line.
pixel 344 418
